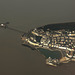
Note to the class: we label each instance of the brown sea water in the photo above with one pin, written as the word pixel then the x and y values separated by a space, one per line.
pixel 16 59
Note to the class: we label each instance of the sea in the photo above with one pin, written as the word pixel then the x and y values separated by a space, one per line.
pixel 24 15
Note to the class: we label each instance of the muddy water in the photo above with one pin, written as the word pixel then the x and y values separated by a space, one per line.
pixel 16 59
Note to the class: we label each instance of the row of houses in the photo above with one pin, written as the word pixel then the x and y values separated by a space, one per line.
pixel 59 38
